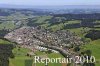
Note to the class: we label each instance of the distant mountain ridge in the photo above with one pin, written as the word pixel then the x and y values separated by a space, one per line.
pixel 51 7
pixel 13 6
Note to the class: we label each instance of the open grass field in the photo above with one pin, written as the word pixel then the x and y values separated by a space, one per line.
pixel 7 25
pixel 20 57
pixel 22 60
pixel 4 42
pixel 72 22
pixel 42 19
pixel 94 46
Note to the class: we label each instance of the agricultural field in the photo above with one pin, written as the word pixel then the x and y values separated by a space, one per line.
pixel 22 60
pixel 20 57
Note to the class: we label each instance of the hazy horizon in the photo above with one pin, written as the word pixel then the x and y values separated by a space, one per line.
pixel 50 2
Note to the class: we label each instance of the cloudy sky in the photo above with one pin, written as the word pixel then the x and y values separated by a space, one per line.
pixel 51 2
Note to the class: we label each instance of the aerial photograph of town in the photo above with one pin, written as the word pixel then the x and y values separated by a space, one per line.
pixel 49 32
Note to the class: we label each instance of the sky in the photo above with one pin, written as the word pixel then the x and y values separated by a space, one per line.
pixel 50 2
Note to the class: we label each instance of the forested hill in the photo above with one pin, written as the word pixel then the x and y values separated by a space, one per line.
pixel 27 12
pixel 95 16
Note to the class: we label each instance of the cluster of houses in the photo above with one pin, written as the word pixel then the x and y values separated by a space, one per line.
pixel 30 36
